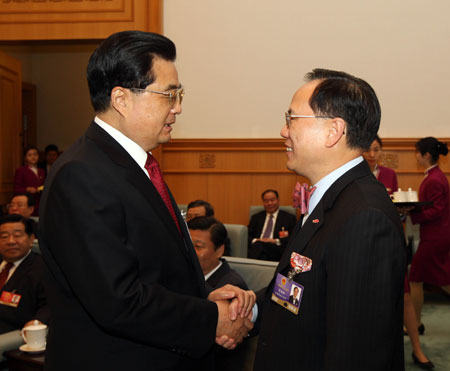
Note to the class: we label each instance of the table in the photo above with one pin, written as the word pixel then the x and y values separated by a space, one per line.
pixel 21 361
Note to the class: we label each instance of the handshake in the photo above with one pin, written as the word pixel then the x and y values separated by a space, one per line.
pixel 235 313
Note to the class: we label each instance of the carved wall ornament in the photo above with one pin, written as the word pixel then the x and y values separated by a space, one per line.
pixel 389 160
pixel 207 160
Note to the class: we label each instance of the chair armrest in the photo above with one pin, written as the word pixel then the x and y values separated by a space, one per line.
pixel 9 341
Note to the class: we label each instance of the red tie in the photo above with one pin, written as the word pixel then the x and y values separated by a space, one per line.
pixel 301 196
pixel 152 166
pixel 4 274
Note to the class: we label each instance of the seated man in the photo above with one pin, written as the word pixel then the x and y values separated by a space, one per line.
pixel 204 208
pixel 23 204
pixel 269 230
pixel 208 237
pixel 199 208
pixel 22 298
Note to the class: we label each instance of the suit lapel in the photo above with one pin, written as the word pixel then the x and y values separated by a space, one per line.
pixel 136 177
pixel 19 272
pixel 303 234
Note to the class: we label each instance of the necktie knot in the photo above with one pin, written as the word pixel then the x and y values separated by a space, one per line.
pixel 301 196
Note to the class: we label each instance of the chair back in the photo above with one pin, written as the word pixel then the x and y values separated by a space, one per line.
pixel 256 273
pixel 238 235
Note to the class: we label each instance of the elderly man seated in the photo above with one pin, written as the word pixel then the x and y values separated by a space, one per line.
pixel 269 230
pixel 208 237
pixel 22 297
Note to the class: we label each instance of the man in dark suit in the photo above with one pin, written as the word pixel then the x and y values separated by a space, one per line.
pixel 125 285
pixel 208 237
pixel 269 230
pixel 294 297
pixel 349 256
pixel 22 297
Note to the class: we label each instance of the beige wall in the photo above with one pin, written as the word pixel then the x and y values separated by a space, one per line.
pixel 241 60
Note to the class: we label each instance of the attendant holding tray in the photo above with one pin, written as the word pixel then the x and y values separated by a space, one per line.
pixel 388 178
pixel 431 262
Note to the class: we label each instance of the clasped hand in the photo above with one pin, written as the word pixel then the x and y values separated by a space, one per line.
pixel 235 312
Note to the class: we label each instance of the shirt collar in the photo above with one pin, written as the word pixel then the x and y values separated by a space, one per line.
pixel 16 263
pixel 325 183
pixel 213 271
pixel 275 214
pixel 431 167
pixel 133 149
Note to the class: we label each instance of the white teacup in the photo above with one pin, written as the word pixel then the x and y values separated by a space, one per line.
pixel 412 195
pixel 400 196
pixel 35 336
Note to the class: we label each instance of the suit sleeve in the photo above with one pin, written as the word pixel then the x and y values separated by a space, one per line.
pixel 86 228
pixel 365 269
pixel 434 192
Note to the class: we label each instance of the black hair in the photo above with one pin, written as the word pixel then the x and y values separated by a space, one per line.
pixel 29 148
pixel 433 147
pixel 125 59
pixel 216 229
pixel 380 142
pixel 269 190
pixel 340 94
pixel 208 207
pixel 31 201
pixel 51 147
pixel 16 218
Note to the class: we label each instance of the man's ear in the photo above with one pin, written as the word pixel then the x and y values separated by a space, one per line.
pixel 336 132
pixel 120 99
pixel 220 250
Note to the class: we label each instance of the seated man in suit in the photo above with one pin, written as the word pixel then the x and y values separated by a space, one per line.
pixel 208 237
pixel 22 297
pixel 269 230
pixel 199 208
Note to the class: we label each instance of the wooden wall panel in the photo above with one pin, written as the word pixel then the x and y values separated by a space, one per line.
pixel 76 19
pixel 232 173
pixel 10 123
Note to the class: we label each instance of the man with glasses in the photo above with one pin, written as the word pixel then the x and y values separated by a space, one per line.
pixel 125 285
pixel 22 204
pixel 22 297
pixel 347 252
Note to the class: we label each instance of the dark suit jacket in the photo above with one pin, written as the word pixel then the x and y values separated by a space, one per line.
pixel 264 250
pixel 125 288
pixel 225 275
pixel 350 316
pixel 27 280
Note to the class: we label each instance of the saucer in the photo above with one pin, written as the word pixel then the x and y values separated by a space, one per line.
pixel 25 348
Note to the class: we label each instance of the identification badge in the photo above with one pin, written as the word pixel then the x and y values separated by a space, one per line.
pixel 287 293
pixel 10 298
pixel 283 233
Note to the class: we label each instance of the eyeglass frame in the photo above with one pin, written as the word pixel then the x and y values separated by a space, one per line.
pixel 288 117
pixel 178 95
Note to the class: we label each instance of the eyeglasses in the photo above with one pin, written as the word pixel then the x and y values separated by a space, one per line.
pixel 289 118
pixel 173 96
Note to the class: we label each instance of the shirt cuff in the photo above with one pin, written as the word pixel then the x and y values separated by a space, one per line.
pixel 255 313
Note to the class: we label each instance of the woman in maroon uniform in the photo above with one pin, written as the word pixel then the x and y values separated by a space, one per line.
pixel 383 174
pixel 431 262
pixel 29 178
pixel 388 177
